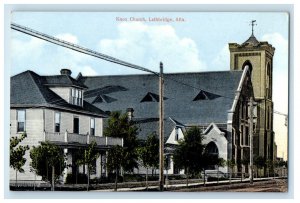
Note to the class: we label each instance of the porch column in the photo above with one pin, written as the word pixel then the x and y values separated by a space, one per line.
pixel 68 161
pixel 106 171
pixel 98 167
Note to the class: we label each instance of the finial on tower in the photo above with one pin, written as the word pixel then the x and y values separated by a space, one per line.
pixel 253 24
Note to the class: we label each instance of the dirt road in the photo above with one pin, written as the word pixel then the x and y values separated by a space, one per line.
pixel 276 185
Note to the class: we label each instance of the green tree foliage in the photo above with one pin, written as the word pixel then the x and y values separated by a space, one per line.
pixel 120 126
pixel 115 160
pixel 17 153
pixel 231 164
pixel 149 153
pixel 45 158
pixel 270 166
pixel 189 154
pixel 259 162
pixel 87 157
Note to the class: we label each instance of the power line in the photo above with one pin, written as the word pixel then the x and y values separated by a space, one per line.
pixel 77 48
pixel 90 52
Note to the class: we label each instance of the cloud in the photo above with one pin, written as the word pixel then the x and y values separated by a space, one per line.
pixel 46 58
pixel 22 47
pixel 222 60
pixel 146 46
pixel 281 49
pixel 67 37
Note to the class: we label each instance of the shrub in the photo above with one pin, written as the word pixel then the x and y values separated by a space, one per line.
pixel 81 178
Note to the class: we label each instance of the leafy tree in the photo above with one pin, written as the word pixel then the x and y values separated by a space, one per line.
pixel 120 126
pixel 189 154
pixel 269 165
pixel 17 159
pixel 87 157
pixel 220 163
pixel 230 163
pixel 115 160
pixel 259 162
pixel 149 154
pixel 46 157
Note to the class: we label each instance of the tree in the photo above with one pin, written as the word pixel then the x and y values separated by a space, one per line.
pixel 149 154
pixel 220 163
pixel 17 159
pixel 189 154
pixel 230 163
pixel 115 160
pixel 87 157
pixel 269 165
pixel 46 157
pixel 259 162
pixel 120 126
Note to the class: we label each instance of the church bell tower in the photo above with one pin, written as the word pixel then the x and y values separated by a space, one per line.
pixel 258 56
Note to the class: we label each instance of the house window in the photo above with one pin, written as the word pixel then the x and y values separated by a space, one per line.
pixel 76 97
pixel 176 134
pixel 76 125
pixel 57 122
pixel 21 120
pixel 79 97
pixel 92 130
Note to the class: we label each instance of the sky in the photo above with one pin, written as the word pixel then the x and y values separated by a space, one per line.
pixel 198 41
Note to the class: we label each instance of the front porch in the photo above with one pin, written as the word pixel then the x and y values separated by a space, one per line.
pixel 72 143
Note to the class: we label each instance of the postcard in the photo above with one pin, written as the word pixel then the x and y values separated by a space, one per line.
pixel 149 101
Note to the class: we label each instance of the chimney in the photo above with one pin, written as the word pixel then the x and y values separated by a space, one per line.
pixel 130 113
pixel 66 72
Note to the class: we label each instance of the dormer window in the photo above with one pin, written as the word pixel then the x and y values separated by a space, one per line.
pixel 76 97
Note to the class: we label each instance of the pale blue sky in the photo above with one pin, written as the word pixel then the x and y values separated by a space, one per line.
pixel 198 44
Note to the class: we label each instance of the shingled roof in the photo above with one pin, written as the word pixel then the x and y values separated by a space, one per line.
pixel 29 89
pixel 216 89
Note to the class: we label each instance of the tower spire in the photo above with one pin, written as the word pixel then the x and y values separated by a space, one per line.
pixel 253 24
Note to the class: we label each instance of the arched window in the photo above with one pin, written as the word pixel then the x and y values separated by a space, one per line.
pixel 248 63
pixel 212 149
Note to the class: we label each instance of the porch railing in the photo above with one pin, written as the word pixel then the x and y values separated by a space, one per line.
pixel 81 138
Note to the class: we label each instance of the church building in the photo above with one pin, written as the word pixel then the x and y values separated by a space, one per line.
pixel 259 57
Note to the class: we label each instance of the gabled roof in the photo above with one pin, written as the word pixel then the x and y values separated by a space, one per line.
pixel 180 89
pixel 28 89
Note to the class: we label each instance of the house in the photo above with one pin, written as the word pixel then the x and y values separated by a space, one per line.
pixel 53 108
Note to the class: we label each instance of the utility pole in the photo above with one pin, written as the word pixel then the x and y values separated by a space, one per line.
pixel 161 129
pixel 251 139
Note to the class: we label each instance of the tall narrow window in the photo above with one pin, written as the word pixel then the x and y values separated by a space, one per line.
pixel 268 119
pixel 76 97
pixel 57 122
pixel 176 134
pixel 76 125
pixel 80 98
pixel 21 120
pixel 73 96
pixel 92 131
